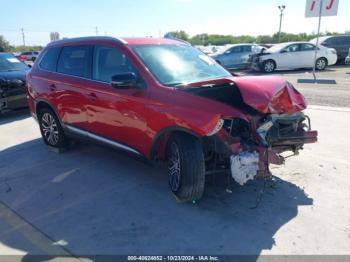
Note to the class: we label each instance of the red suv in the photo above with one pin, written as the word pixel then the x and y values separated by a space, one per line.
pixel 163 99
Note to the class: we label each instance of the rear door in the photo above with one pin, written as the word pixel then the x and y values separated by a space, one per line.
pixel 68 88
pixel 247 50
pixel 231 56
pixel 307 54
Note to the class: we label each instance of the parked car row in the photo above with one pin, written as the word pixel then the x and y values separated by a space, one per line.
pixel 28 56
pixel 12 82
pixel 294 55
pixel 291 55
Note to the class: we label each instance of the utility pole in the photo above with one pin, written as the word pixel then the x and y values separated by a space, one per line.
pixel 23 37
pixel 281 8
pixel 96 30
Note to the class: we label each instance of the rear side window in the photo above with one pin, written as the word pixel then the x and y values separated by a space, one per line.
pixel 237 49
pixel 247 48
pixel 75 60
pixel 345 40
pixel 307 47
pixel 49 60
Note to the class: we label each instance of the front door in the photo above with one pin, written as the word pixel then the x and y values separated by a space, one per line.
pixel 116 113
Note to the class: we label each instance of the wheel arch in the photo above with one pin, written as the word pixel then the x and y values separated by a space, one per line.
pixel 42 103
pixel 160 140
pixel 272 60
pixel 323 57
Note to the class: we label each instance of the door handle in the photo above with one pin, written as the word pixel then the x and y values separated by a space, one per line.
pixel 53 87
pixel 92 96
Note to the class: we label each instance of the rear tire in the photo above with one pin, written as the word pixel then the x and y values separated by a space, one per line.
pixel 269 66
pixel 51 129
pixel 186 167
pixel 321 64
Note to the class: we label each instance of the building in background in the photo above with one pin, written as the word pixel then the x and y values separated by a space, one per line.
pixel 54 36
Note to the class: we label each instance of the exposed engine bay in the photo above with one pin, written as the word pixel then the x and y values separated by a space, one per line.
pixel 247 148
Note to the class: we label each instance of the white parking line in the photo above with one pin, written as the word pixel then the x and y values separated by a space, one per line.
pixel 31 233
pixel 329 108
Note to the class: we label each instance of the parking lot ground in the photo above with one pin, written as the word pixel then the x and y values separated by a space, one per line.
pixel 318 94
pixel 95 200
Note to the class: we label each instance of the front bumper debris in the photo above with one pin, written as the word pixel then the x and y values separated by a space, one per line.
pixel 244 166
pixel 250 149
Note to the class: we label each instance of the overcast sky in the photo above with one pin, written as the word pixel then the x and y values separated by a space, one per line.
pixel 155 17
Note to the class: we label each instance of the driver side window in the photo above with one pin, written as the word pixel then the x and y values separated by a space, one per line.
pixel 109 61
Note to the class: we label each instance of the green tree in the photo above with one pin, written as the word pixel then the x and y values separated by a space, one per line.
pixel 264 39
pixel 4 45
pixel 178 34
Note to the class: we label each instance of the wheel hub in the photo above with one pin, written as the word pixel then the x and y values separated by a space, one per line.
pixel 50 130
pixel 174 168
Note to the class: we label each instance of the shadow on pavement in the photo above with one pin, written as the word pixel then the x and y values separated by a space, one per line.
pixel 94 200
pixel 14 115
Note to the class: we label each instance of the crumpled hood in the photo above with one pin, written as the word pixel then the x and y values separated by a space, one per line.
pixel 270 94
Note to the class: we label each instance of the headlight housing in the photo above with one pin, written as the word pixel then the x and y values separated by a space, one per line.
pixel 217 127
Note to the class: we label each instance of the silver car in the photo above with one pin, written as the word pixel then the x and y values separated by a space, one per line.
pixel 235 56
pixel 347 59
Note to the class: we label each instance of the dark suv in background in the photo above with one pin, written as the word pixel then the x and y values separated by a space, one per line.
pixel 341 43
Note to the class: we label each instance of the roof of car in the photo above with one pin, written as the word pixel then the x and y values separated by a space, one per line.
pixel 124 40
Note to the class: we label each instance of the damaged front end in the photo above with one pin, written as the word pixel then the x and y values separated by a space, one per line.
pixel 247 149
pixel 276 125
pixel 12 94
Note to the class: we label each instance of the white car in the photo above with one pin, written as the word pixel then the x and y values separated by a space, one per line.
pixel 294 55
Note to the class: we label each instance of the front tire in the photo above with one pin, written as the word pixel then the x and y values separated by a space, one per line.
pixel 51 129
pixel 321 64
pixel 186 167
pixel 269 66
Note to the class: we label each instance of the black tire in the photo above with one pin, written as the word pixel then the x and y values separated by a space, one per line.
pixel 51 129
pixel 269 66
pixel 321 64
pixel 188 183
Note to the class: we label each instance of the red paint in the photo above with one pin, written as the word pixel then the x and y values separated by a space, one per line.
pixel 330 5
pixel 136 117
pixel 313 5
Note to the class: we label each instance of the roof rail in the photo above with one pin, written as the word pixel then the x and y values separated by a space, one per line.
pixel 68 40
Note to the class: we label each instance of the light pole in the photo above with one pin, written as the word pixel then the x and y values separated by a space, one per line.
pixel 281 8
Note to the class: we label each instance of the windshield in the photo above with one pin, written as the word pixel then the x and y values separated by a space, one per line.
pixel 9 62
pixel 276 48
pixel 179 64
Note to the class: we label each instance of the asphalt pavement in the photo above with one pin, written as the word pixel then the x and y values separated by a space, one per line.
pixel 95 200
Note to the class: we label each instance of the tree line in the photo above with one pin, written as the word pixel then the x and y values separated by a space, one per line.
pixel 200 39
pixel 216 39
pixel 6 47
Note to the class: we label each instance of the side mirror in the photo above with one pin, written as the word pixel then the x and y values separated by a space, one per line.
pixel 283 51
pixel 124 80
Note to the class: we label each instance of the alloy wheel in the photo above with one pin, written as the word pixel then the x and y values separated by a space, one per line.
pixel 174 168
pixel 320 64
pixel 50 129
pixel 269 66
